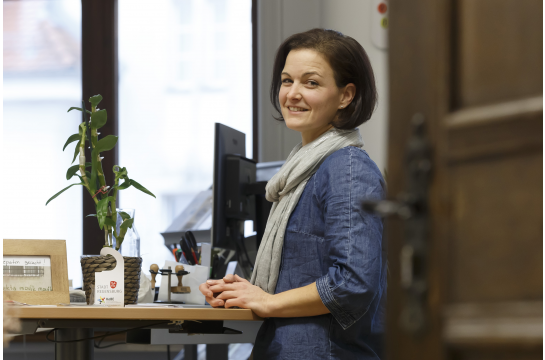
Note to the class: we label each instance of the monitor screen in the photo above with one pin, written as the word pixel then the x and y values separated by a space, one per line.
pixel 227 141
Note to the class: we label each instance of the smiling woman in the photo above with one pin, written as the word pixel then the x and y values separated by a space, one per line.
pixel 320 272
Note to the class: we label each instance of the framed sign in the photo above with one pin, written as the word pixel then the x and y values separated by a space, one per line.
pixel 35 271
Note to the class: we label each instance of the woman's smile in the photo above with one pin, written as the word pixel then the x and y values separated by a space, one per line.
pixel 296 110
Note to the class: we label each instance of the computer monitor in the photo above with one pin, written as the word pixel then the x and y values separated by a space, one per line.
pixel 228 144
pixel 238 195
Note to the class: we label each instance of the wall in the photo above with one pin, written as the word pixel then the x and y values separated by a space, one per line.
pixel 278 19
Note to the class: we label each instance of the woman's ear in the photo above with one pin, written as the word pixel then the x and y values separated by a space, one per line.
pixel 348 93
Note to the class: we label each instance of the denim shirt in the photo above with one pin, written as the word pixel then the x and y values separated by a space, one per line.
pixel 332 241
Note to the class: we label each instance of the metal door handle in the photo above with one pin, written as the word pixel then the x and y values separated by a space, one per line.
pixel 412 206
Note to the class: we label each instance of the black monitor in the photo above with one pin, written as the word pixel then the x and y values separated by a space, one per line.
pixel 227 141
pixel 237 197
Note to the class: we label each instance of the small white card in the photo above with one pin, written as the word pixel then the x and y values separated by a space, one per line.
pixel 110 285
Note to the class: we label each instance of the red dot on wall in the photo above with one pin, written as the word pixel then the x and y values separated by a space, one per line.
pixel 382 7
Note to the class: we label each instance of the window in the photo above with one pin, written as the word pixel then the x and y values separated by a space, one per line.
pixel 183 65
pixel 42 79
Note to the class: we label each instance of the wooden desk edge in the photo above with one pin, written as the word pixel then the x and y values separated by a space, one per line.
pixel 54 312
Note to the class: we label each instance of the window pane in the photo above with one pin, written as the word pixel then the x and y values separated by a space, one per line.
pixel 42 79
pixel 183 65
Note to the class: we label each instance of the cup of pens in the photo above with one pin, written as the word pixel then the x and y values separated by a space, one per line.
pixel 189 251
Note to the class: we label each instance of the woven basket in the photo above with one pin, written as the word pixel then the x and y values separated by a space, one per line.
pixel 92 264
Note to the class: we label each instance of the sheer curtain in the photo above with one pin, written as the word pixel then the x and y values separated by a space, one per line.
pixel 41 80
pixel 183 65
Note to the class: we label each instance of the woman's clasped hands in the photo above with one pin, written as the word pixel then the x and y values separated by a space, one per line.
pixel 233 291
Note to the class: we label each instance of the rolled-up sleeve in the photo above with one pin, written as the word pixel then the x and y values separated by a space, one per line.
pixel 353 237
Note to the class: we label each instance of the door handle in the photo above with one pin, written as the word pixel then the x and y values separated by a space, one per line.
pixel 412 206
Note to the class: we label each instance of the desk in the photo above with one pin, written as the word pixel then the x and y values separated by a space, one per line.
pixel 78 322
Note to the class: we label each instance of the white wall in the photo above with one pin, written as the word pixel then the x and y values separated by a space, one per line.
pixel 278 19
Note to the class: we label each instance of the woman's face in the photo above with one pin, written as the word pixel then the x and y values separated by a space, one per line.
pixel 309 97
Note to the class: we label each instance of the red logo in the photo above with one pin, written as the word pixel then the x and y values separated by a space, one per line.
pixel 113 284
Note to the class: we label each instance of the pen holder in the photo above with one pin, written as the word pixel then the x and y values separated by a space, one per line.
pixel 92 264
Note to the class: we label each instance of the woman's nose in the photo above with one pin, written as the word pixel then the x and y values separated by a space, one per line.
pixel 294 93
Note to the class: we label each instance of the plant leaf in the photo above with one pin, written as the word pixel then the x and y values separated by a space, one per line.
pixel 106 143
pixel 102 211
pixel 120 173
pixel 77 108
pixel 125 185
pixel 76 151
pixel 71 139
pixel 141 188
pixel 94 100
pixel 124 215
pixel 126 224
pixel 60 192
pixel 109 222
pixel 98 119
pixel 72 170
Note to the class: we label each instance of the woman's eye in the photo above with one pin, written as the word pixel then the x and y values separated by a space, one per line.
pixel 286 81
pixel 313 83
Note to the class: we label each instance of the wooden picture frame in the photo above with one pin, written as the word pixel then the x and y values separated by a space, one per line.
pixel 56 250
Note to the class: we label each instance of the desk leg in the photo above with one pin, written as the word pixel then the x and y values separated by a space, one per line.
pixel 190 352
pixel 217 351
pixel 81 350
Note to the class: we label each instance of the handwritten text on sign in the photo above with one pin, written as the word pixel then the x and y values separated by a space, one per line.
pixel 27 261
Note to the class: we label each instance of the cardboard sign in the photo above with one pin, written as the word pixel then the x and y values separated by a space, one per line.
pixel 110 285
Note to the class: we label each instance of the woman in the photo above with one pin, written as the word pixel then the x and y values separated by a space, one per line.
pixel 320 273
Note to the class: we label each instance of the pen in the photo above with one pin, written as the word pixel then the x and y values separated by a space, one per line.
pixel 186 248
pixel 194 256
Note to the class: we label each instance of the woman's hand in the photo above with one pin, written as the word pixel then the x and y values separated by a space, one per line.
pixel 235 291
pixel 209 295
pixel 240 292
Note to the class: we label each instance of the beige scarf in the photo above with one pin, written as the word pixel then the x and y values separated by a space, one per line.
pixel 285 189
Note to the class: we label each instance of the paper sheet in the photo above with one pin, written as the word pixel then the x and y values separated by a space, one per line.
pixel 197 275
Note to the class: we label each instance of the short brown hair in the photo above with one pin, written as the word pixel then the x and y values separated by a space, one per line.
pixel 350 64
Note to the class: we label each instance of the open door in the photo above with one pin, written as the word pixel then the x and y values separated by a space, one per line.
pixel 473 69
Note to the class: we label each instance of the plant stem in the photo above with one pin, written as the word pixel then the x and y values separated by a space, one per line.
pixel 94 141
pixel 106 236
pixel 82 166
pixel 118 239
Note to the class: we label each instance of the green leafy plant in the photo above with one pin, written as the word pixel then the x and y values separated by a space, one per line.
pixel 94 181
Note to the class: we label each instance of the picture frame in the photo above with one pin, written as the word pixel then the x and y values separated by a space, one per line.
pixel 55 250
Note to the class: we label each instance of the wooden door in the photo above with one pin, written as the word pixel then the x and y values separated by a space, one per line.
pixel 473 68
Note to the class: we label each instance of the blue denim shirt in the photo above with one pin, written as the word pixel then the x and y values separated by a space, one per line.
pixel 330 240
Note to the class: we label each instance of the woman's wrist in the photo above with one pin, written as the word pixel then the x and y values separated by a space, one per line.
pixel 271 305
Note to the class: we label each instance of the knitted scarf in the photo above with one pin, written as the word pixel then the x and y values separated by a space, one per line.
pixel 284 190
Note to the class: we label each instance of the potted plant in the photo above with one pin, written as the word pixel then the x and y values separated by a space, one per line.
pixel 91 176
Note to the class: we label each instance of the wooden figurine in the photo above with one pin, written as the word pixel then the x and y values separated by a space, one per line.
pixel 180 272
pixel 153 269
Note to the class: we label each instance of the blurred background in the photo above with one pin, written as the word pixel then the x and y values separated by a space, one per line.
pixel 170 69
